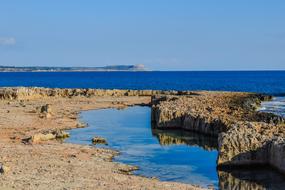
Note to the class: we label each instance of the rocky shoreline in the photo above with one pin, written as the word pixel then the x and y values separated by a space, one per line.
pixel 32 123
pixel 33 119
pixel 34 92
pixel 245 136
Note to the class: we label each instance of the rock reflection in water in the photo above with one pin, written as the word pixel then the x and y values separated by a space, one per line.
pixel 170 137
pixel 251 179
pixel 237 179
pixel 175 155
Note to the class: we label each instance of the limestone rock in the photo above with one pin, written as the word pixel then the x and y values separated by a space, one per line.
pixel 42 137
pixel 242 145
pixel 46 136
pixel 245 136
pixel 31 93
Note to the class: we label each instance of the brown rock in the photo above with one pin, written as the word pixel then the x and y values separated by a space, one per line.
pixel 245 136
pixel 99 140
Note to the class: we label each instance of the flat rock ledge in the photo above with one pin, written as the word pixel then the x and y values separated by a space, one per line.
pixel 37 92
pixel 245 136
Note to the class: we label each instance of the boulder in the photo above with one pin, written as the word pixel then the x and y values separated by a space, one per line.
pixel 42 137
pixel 46 136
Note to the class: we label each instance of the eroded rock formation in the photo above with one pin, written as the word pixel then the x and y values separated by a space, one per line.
pixel 245 136
pixel 29 93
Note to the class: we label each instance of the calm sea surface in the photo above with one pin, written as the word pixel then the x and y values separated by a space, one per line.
pixel 271 82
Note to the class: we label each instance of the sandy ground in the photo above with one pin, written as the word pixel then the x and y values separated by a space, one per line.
pixel 56 165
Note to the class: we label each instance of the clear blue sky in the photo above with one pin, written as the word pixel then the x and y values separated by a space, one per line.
pixel 162 34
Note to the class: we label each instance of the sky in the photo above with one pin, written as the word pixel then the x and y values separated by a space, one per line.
pixel 161 34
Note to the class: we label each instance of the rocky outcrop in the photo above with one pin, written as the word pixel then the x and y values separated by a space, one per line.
pixel 242 145
pixel 30 93
pixel 253 143
pixel 189 113
pixel 175 118
pixel 276 153
pixel 245 136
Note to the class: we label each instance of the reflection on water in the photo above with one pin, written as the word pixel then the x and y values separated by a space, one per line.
pixel 251 179
pixel 174 155
pixel 130 132
pixel 181 137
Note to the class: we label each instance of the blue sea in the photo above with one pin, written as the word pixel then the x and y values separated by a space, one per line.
pixel 270 82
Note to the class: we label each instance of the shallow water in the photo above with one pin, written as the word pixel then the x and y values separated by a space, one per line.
pixel 129 131
pixel 168 155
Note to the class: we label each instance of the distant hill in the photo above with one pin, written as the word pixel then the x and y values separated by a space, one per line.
pixel 139 67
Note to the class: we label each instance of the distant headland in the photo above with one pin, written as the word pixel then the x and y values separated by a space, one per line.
pixel 138 67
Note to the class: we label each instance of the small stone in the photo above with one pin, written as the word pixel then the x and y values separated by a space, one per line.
pixel 99 140
pixel 45 111
pixel 1 168
pixel 81 125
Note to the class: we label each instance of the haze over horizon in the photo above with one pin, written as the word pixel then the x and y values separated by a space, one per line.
pixel 162 35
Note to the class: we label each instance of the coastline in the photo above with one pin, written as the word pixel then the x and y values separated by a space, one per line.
pixel 138 67
pixel 35 165
pixel 73 71
pixel 37 114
